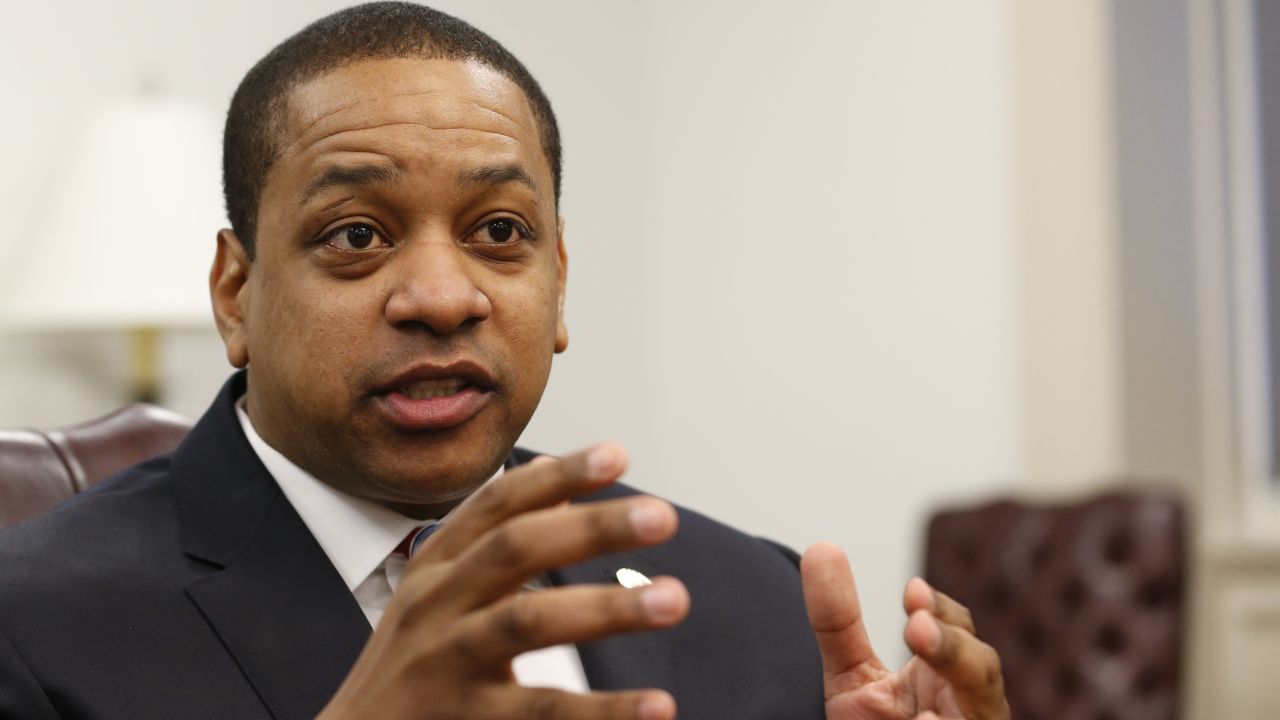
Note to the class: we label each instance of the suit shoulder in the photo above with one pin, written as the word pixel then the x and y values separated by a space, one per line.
pixel 119 514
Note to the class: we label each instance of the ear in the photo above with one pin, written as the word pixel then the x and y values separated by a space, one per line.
pixel 562 274
pixel 229 291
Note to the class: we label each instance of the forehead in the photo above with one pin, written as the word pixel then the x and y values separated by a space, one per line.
pixel 379 105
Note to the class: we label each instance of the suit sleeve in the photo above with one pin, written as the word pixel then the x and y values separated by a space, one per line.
pixel 20 695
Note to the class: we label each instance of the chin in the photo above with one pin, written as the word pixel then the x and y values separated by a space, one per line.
pixel 435 480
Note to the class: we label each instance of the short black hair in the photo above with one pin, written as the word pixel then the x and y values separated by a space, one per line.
pixel 255 122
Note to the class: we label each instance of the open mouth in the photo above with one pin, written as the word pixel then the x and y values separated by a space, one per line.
pixel 427 389
pixel 435 397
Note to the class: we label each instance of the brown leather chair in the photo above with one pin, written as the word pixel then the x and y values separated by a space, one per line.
pixel 1083 601
pixel 39 469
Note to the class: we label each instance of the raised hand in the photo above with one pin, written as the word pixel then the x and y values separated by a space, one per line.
pixel 445 643
pixel 953 674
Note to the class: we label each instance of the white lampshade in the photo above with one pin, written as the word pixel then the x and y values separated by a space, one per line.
pixel 129 235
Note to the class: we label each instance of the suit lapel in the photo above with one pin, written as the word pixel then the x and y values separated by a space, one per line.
pixel 277 603
pixel 286 616
pixel 640 660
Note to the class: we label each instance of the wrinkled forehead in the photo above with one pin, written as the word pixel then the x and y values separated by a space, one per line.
pixel 398 94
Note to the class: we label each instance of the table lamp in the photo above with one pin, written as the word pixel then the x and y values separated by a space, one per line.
pixel 128 235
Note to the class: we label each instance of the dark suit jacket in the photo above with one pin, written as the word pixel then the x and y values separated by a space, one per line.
pixel 187 587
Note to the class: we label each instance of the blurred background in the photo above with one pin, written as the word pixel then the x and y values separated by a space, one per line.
pixel 834 264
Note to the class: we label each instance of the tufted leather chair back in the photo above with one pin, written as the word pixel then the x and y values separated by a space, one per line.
pixel 39 469
pixel 1083 601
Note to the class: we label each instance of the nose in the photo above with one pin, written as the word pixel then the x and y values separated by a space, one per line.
pixel 435 288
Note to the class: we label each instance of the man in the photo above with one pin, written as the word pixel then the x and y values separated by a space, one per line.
pixel 392 287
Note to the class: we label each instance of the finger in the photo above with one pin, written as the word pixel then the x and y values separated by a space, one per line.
pixel 920 595
pixel 490 638
pixel 970 665
pixel 835 613
pixel 507 556
pixel 521 703
pixel 535 485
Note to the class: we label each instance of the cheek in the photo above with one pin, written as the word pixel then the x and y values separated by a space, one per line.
pixel 529 315
pixel 311 332
pixel 524 319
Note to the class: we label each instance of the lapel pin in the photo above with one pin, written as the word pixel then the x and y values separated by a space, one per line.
pixel 632 579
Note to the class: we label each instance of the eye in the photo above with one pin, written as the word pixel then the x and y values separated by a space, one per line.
pixel 501 231
pixel 356 236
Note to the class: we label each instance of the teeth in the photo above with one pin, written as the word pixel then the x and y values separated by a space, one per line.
pixel 432 388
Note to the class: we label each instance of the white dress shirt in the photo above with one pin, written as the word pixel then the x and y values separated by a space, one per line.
pixel 360 538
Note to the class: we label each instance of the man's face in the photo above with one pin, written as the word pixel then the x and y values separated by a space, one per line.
pixel 406 297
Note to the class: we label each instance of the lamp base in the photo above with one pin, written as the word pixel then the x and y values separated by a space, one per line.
pixel 144 382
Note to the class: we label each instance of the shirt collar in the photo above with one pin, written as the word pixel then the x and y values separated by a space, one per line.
pixel 355 533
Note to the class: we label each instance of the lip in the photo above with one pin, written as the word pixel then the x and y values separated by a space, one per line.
pixel 475 374
pixel 434 413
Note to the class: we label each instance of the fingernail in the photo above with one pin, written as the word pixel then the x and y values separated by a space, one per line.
pixel 661 602
pixel 600 462
pixel 655 708
pixel 648 519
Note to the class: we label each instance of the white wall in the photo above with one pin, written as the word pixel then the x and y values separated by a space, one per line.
pixel 796 278
pixel 1068 241
pixel 831 302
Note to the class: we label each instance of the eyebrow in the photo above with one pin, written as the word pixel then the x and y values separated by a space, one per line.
pixel 499 175
pixel 350 176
